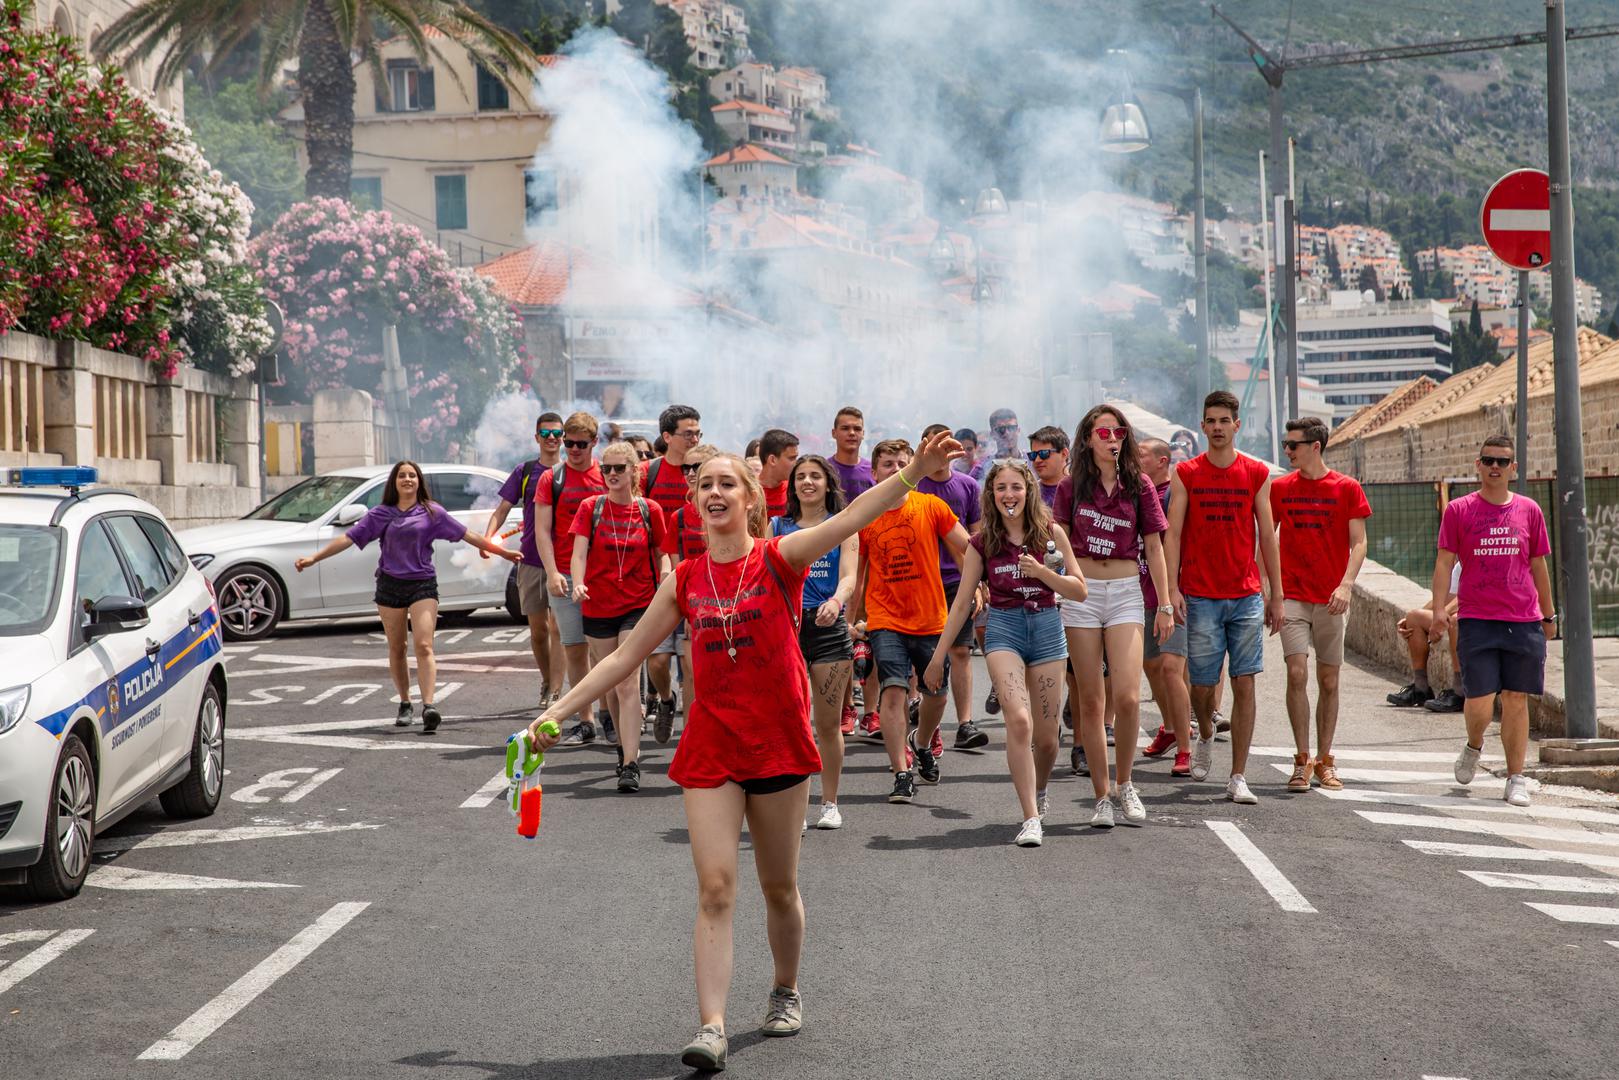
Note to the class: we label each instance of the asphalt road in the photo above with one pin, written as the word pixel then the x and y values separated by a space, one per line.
pixel 370 914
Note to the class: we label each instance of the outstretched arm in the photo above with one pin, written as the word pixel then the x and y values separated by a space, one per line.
pixel 340 542
pixel 483 543
pixel 806 545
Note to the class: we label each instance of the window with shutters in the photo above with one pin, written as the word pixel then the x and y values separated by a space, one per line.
pixel 493 94
pixel 410 87
pixel 365 192
pixel 450 200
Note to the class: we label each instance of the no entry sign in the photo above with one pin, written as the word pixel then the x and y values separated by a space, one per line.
pixel 1517 219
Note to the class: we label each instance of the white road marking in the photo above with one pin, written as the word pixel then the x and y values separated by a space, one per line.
pixel 236 997
pixel 1350 753
pixel 361 692
pixel 192 837
pixel 23 935
pixel 1521 854
pixel 298 665
pixel 239 650
pixel 1615 944
pixel 128 878
pixel 348 742
pixel 1579 913
pixel 1425 1076
pixel 26 965
pixel 1474 806
pixel 1400 776
pixel 1545 882
pixel 486 794
pixel 296 783
pixel 1514 829
pixel 1260 866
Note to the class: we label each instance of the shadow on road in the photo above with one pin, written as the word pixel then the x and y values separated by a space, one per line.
pixel 616 1066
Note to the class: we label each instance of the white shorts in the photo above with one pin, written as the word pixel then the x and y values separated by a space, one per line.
pixel 1107 603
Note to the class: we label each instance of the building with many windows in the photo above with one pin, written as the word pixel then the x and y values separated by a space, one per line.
pixel 1359 350
pixel 449 147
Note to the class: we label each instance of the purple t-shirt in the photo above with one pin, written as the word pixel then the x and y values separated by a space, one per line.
pixel 407 539
pixel 1494 545
pixel 1048 494
pixel 1109 526
pixel 960 493
pixel 515 492
pixel 853 479
pixel 1009 590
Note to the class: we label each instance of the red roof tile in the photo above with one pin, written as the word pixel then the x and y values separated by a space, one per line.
pixel 746 153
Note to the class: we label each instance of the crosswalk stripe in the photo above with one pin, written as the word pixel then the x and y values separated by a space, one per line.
pixel 1579 913
pixel 1351 753
pixel 1393 776
pixel 1470 805
pixel 486 794
pixel 1545 882
pixel 1259 865
pixel 1519 830
pixel 26 965
pixel 1520 854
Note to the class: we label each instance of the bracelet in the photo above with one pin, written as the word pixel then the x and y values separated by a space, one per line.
pixel 906 480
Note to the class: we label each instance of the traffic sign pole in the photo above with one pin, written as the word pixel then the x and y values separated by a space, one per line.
pixel 1523 382
pixel 1573 562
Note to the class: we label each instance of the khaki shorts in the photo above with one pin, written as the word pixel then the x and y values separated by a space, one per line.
pixel 532 594
pixel 1307 626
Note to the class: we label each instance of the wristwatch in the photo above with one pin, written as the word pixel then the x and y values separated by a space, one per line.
pixel 1166 609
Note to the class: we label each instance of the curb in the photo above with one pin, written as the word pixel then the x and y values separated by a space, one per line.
pixel 1595 777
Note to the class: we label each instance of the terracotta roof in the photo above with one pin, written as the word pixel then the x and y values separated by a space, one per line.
pixel 1374 416
pixel 746 153
pixel 1499 383
pixel 547 273
pixel 747 106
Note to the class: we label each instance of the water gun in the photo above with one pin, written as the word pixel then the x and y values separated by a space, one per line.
pixel 523 763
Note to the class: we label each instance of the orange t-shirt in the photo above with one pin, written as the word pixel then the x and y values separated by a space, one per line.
pixel 904 591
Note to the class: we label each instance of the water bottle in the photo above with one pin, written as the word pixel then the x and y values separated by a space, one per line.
pixel 862 660
pixel 1054 559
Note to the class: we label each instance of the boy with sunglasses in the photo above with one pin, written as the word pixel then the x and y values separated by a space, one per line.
pixel 1048 457
pixel 533 595
pixel 554 507
pixel 1505 610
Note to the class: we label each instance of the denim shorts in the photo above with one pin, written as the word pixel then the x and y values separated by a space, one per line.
pixel 570 620
pixel 1174 644
pixel 824 644
pixel 1497 656
pixel 897 655
pixel 1216 629
pixel 1036 636
pixel 1108 602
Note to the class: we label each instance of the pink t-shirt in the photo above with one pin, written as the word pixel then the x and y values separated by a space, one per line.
pixel 1494 545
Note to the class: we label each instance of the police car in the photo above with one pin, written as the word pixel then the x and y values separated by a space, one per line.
pixel 113 687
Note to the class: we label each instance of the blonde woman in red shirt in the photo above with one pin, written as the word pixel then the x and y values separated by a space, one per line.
pixel 747 752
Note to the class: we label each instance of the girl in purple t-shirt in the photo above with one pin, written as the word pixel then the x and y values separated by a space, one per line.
pixel 1023 640
pixel 407 522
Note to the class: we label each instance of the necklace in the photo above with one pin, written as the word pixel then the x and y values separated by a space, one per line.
pixel 622 538
pixel 727 616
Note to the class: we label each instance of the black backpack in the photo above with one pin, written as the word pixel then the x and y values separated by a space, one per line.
pixel 557 479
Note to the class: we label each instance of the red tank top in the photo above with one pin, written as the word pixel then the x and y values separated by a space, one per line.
pixel 751 715
pixel 1217 540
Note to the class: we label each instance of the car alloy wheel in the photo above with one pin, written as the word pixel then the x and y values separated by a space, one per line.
pixel 75 816
pixel 249 603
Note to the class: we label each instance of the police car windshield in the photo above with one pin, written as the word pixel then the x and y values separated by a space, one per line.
pixel 30 558
pixel 307 501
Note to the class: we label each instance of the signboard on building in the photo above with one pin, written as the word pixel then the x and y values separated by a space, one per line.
pixel 1516 219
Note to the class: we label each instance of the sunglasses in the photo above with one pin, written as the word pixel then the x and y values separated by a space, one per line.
pixel 615 468
pixel 1294 444
pixel 1039 455
pixel 1108 434
pixel 549 433
pixel 1494 462
pixel 578 444
pixel 1005 429
pixel 690 470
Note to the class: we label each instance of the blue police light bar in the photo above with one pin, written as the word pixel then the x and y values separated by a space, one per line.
pixel 68 476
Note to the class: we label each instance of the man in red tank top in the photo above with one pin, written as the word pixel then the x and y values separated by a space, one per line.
pixel 1219 506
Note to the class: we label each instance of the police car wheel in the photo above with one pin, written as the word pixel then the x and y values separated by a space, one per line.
pixel 69 826
pixel 198 794
pixel 251 603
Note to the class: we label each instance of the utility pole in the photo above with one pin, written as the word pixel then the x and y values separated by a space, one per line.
pixel 1573 560
pixel 1200 249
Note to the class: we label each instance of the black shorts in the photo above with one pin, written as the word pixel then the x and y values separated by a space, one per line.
pixel 824 644
pixel 769 785
pixel 393 592
pixel 609 628
pixel 1498 656
pixel 965 637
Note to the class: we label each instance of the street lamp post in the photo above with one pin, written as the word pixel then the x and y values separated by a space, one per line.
pixel 1124 130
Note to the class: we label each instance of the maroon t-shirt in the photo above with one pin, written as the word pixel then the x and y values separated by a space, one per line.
pixel 1009 590
pixel 1106 525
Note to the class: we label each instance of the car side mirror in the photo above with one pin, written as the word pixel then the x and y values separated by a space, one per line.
pixel 348 515
pixel 115 615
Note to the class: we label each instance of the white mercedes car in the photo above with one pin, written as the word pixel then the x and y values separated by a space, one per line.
pixel 250 561
pixel 113 689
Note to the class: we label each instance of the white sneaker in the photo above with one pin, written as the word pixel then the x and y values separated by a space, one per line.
pixel 1467 764
pixel 831 817
pixel 1103 818
pixel 1202 757
pixel 1517 789
pixel 1042 805
pixel 1236 790
pixel 1130 801
pixel 1031 834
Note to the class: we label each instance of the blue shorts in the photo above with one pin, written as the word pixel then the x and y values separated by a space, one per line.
pixel 897 655
pixel 1035 636
pixel 1497 656
pixel 1216 629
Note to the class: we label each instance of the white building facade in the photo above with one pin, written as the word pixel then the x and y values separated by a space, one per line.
pixel 1359 350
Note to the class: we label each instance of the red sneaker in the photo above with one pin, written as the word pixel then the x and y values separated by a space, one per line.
pixel 871 728
pixel 1161 743
pixel 849 717
pixel 1183 764
pixel 937 745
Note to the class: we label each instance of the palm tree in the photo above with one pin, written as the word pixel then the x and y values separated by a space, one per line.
pixel 326 37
